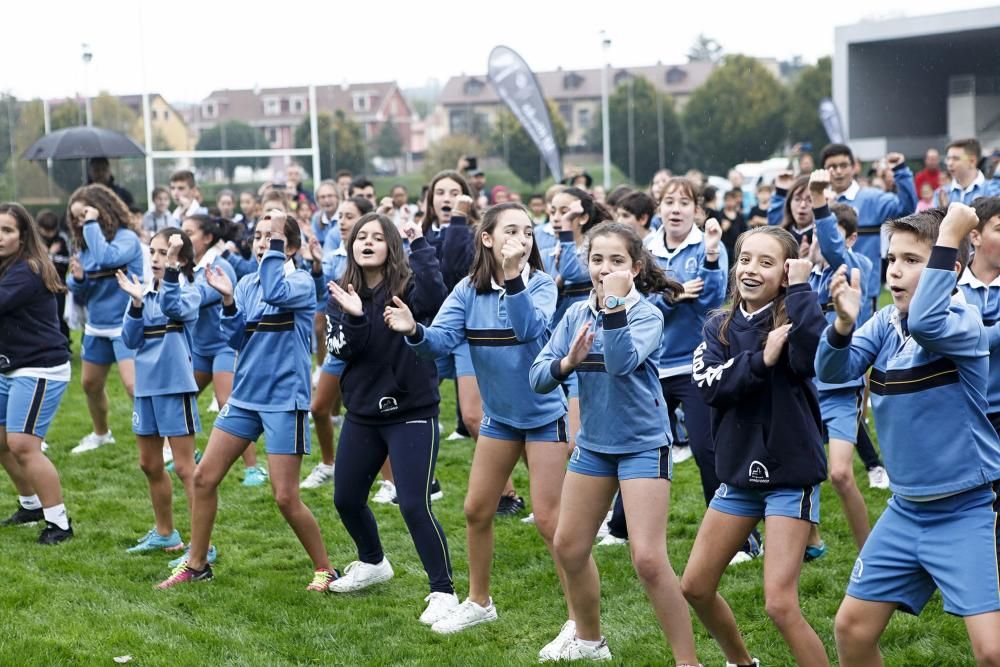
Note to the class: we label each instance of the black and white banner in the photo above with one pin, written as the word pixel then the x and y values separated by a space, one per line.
pixel 830 118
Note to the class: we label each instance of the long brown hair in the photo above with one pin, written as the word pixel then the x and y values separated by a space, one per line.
pixel 801 183
pixel 32 251
pixel 779 315
pixel 430 217
pixel 396 272
pixel 112 212
pixel 651 279
pixel 484 265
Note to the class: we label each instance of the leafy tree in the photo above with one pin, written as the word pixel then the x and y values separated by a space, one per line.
pixel 738 114
pixel 341 142
pixel 512 141
pixel 813 84
pixel 388 143
pixel 109 112
pixel 646 127
pixel 444 153
pixel 231 135
pixel 704 49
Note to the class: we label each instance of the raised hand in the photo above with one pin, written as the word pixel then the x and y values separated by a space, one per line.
pixel 219 281
pixel 575 211
pixel 384 206
pixel 399 318
pixel 692 290
pixel 579 350
pixel 349 300
pixel 463 205
pixel 90 213
pixel 174 246
pixel 412 230
pixel 894 160
pixel 846 299
pixel 133 287
pixel 775 343
pixel 798 270
pixel 804 247
pixel 617 283
pixel 277 219
pixel 713 234
pixel 512 253
pixel 958 222
pixel 314 251
pixel 784 180
pixel 819 181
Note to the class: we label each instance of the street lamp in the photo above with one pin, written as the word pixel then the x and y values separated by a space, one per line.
pixel 87 56
pixel 605 120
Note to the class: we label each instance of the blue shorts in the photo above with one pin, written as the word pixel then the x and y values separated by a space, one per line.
pixel 104 351
pixel 223 361
pixel 802 503
pixel 841 411
pixel 552 432
pixel 650 464
pixel 29 403
pixel 333 366
pixel 949 544
pixel 284 432
pixel 456 364
pixel 166 416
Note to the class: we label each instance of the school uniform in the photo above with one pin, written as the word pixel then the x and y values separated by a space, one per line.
pixel 928 367
pixel 210 352
pixel 979 187
pixel 505 330
pixel 161 331
pixel 270 326
pixel 546 239
pixel 776 216
pixel 765 420
pixel 986 298
pixel 392 402
pixel 99 291
pixel 243 266
pixel 34 357
pixel 323 226
pixel 624 430
pixel 455 245
pixel 572 265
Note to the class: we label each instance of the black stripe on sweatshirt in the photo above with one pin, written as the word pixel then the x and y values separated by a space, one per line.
pixel 594 363
pixel 491 337
pixel 161 330
pixel 911 380
pixel 272 322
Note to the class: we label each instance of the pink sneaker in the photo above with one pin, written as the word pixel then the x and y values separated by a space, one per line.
pixel 183 574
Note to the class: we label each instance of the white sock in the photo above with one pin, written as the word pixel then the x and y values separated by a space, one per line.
pixel 590 643
pixel 57 515
pixel 30 502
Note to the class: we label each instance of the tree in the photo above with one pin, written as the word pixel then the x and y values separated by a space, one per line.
pixel 109 112
pixel 9 114
pixel 388 143
pixel 341 142
pixel 444 153
pixel 231 135
pixel 738 114
pixel 653 118
pixel 704 49
pixel 813 84
pixel 512 141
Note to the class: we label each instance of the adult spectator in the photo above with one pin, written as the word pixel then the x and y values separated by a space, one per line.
pixel 931 173
pixel 99 171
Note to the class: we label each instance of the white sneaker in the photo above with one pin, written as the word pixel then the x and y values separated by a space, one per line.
pixel 455 435
pixel 610 541
pixel 45 446
pixel 214 405
pixel 754 661
pixel 360 575
pixel 439 605
pixel 605 528
pixel 552 650
pixel 92 441
pixel 530 519
pixel 168 454
pixel 386 492
pixel 878 478
pixel 320 475
pixel 465 616
pixel 744 557
pixel 681 454
pixel 574 650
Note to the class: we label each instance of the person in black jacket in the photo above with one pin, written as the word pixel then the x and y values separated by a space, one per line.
pixel 34 372
pixel 755 369
pixel 392 402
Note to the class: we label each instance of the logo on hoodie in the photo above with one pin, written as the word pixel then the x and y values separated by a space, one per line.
pixel 691 265
pixel 758 473
pixel 387 404
pixel 4 361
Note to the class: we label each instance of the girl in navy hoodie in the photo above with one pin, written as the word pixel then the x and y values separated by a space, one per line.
pixel 34 372
pixel 392 401
pixel 755 369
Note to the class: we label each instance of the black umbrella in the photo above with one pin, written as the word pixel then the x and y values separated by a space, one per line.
pixel 75 143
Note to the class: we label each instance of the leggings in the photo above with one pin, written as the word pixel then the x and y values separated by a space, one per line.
pixel 412 448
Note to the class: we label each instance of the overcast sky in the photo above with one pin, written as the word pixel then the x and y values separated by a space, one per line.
pixel 185 49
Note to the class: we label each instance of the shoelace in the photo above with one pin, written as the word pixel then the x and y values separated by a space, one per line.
pixel 321 578
pixel 146 537
pixel 350 568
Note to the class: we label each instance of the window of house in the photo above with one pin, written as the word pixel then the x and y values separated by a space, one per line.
pixel 272 134
pixel 361 101
pixel 566 111
pixel 166 114
pixel 210 110
pixel 675 75
pixel 572 81
pixel 298 105
pixel 583 117
pixel 152 114
pixel 473 87
pixel 272 106
pixel 458 121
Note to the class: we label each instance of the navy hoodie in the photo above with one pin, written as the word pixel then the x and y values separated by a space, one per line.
pixel 766 422
pixel 29 322
pixel 384 381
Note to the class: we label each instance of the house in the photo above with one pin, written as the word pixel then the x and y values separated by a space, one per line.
pixel 279 111
pixel 471 103
pixel 165 120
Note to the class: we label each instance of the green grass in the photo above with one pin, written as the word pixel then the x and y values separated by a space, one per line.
pixel 86 601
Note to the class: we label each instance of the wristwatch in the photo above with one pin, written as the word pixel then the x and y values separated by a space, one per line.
pixel 613 301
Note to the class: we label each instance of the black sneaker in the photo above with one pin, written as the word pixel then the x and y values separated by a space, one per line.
pixel 53 534
pixel 22 516
pixel 436 492
pixel 510 506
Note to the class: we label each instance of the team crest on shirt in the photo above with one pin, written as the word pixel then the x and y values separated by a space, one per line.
pixel 387 404
pixel 691 265
pixel 859 568
pixel 759 473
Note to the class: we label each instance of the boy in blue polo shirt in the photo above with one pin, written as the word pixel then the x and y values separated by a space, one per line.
pixel 929 354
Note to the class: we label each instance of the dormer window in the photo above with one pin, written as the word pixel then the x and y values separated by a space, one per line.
pixel 473 87
pixel 572 81
pixel 675 75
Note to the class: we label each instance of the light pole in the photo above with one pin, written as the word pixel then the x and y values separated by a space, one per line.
pixel 605 121
pixel 87 56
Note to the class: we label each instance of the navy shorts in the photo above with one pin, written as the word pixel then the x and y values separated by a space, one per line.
pixel 172 415
pixel 284 432
pixel 795 503
pixel 554 431
pixel 654 463
pixel 29 403
pixel 916 547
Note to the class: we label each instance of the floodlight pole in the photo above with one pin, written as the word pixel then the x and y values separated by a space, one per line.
pixel 605 121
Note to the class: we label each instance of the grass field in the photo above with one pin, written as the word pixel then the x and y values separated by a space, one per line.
pixel 87 601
